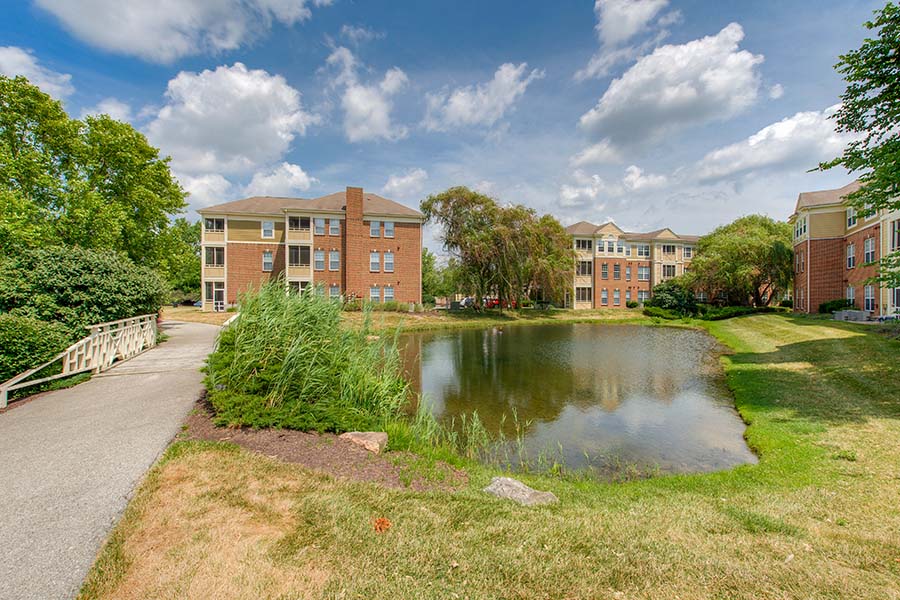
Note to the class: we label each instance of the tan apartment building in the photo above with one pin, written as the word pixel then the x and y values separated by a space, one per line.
pixel 614 267
pixel 835 248
pixel 354 244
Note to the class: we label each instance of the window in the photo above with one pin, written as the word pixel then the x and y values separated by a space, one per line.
pixel 374 262
pixel 320 226
pixel 628 250
pixel 584 244
pixel 851 256
pixel 800 228
pixel 620 247
pixel 584 267
pixel 688 252
pixel 851 217
pixel 212 287
pixel 627 295
pixel 334 260
pixel 668 271
pixel 388 229
pixel 617 271
pixel 375 229
pixel 267 260
pixel 388 293
pixel 334 227
pixel 851 295
pixel 320 290
pixel 604 297
pixel 897 299
pixel 617 297
pixel 895 235
pixel 583 294
pixel 298 256
pixel 869 250
pixel 701 297
pixel 268 229
pixel 214 225
pixel 869 291
pixel 643 273
pixel 374 294
pixel 628 273
pixel 643 250
pixel 610 247
pixel 388 262
pixel 334 291
pixel 643 295
pixel 668 248
pixel 215 256
pixel 298 223
pixel 604 271
pixel 319 260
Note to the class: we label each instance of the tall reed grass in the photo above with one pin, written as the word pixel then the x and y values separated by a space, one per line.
pixel 287 362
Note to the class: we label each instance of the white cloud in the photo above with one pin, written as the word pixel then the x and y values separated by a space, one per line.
pixel 231 120
pixel 801 140
pixel 16 61
pixel 677 86
pixel 367 107
pixel 283 180
pixel 409 184
pixel 113 107
pixel 164 30
pixel 597 154
pixel 207 189
pixel 483 104
pixel 636 180
pixel 357 34
pixel 620 20
pixel 776 91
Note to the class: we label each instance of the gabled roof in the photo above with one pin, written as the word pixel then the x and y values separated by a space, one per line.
pixel 825 197
pixel 373 204
pixel 581 228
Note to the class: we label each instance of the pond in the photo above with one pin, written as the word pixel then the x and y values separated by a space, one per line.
pixel 609 397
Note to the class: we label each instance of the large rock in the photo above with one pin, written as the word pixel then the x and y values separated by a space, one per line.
pixel 373 441
pixel 511 489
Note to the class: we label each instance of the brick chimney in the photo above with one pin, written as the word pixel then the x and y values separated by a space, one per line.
pixel 356 257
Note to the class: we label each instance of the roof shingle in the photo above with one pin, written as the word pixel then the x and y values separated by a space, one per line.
pixel 373 204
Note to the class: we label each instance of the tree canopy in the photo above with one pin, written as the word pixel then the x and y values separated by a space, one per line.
pixel 504 251
pixel 94 183
pixel 870 110
pixel 747 261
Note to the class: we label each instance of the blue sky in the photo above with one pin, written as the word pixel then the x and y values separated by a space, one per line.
pixel 651 113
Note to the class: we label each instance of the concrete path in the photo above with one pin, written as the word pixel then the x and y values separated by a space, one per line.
pixel 70 461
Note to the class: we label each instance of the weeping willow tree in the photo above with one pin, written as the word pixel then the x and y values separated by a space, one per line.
pixel 505 251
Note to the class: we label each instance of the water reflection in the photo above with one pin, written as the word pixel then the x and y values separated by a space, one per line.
pixel 648 396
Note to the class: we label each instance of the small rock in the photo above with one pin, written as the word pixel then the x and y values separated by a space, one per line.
pixel 373 441
pixel 506 487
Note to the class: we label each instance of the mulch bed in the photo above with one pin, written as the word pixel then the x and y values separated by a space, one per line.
pixel 324 452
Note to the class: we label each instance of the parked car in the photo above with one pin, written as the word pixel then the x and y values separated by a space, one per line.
pixel 495 303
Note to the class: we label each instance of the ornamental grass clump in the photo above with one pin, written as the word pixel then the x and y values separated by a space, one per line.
pixel 288 362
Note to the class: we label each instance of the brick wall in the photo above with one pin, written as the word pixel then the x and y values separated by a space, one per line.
pixel 327 243
pixel 859 274
pixel 243 266
pixel 823 266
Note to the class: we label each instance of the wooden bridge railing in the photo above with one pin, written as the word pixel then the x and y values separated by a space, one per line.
pixel 106 344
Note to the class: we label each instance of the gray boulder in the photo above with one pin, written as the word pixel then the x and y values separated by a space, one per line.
pixel 511 489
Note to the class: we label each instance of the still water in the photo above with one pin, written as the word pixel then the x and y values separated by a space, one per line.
pixel 587 394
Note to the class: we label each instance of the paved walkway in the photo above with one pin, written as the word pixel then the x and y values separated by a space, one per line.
pixel 70 461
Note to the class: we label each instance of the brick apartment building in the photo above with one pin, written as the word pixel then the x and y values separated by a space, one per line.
pixel 354 244
pixel 834 248
pixel 614 267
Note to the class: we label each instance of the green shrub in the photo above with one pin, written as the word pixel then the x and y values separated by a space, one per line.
pixel 787 304
pixel 77 287
pixel 673 296
pixel 834 305
pixel 288 362
pixel 712 313
pixel 662 313
pixel 631 304
pixel 26 343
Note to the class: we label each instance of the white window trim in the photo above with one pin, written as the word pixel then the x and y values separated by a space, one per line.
pixel 262 230
pixel 271 261
pixel 331 254
pixel 375 259
pixel 393 229
pixel 386 254
pixel 384 292
pixel 376 227
pixel 315 260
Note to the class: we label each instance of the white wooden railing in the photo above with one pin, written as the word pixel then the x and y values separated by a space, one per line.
pixel 107 343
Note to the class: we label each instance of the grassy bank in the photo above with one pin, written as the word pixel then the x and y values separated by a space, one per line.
pixel 818 517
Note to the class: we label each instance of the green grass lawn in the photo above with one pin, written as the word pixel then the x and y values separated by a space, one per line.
pixel 818 517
